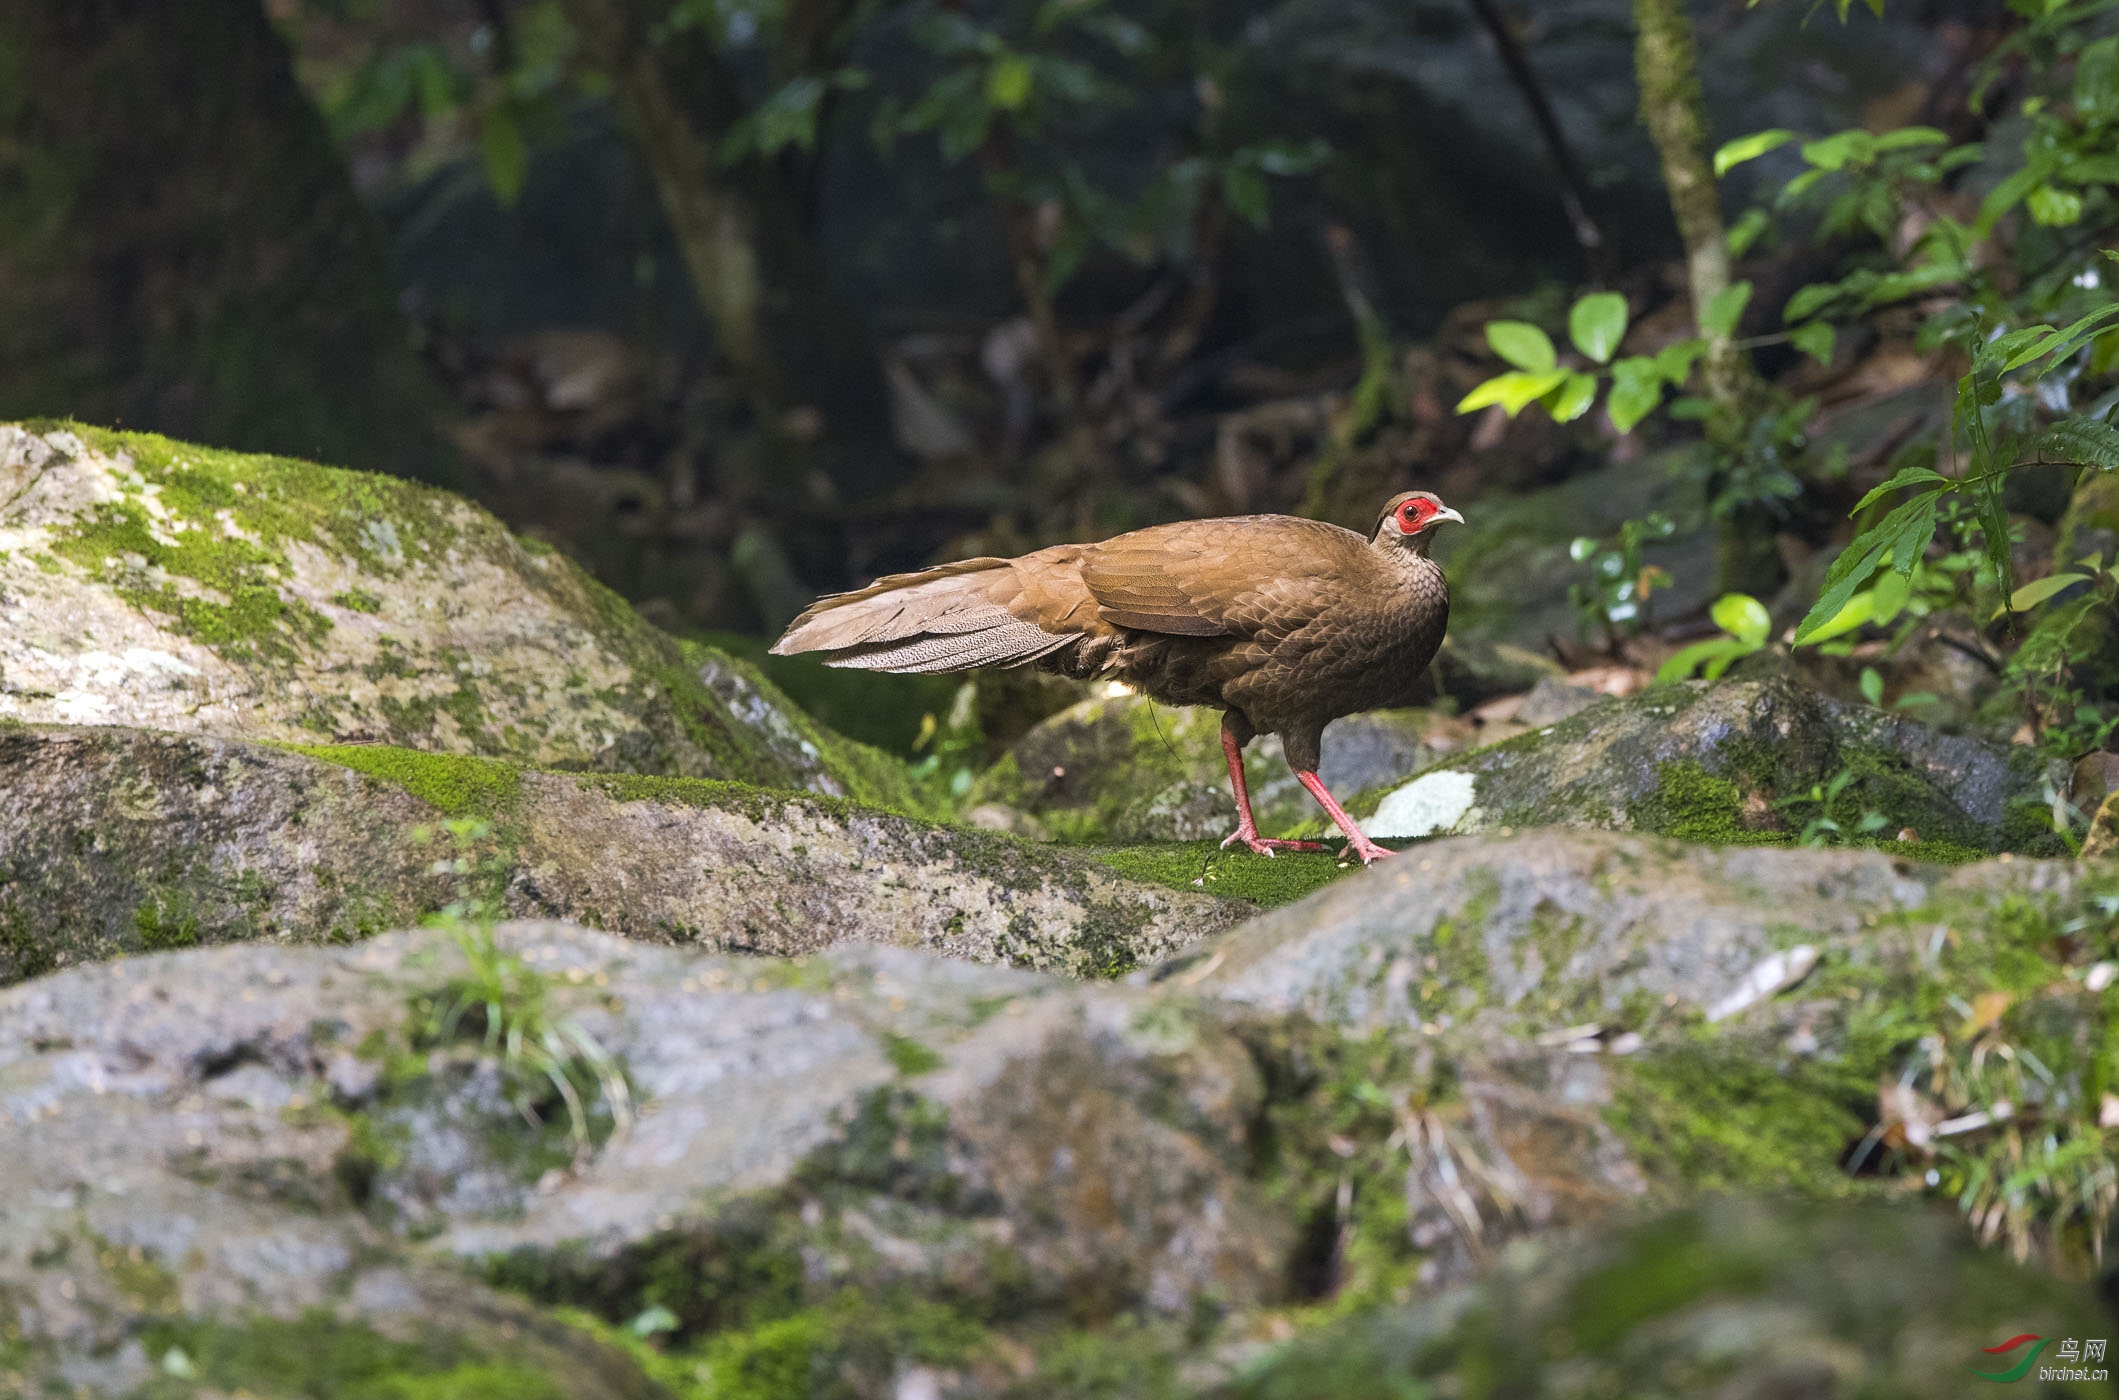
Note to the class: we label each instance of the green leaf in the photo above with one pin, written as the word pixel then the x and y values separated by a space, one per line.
pixel 1890 595
pixel 1902 478
pixel 1244 190
pixel 1903 535
pixel 1522 345
pixel 1742 617
pixel 1636 389
pixel 1815 339
pixel 1747 231
pixel 2038 590
pixel 1860 610
pixel 1597 324
pixel 1908 137
pixel 1807 301
pixel 1837 151
pixel 1872 686
pixel 1722 650
pixel 2006 196
pixel 2081 438
pixel 1726 309
pixel 1512 391
pixel 1743 148
pixel 1674 362
pixel 1575 396
pixel 2054 208
pixel 1009 82
pixel 505 154
pixel 2097 80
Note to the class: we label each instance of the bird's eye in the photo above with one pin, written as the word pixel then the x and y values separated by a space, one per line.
pixel 1409 516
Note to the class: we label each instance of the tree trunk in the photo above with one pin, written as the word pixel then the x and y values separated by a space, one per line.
pixel 814 383
pixel 1666 66
pixel 180 247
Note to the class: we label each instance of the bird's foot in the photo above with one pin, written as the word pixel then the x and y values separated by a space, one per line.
pixel 1368 850
pixel 1248 837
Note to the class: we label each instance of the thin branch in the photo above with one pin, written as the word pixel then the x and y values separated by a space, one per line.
pixel 1574 185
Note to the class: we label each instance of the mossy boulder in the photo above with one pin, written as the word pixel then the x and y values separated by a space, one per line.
pixel 154 584
pixel 1762 761
pixel 1735 1297
pixel 1123 768
pixel 116 841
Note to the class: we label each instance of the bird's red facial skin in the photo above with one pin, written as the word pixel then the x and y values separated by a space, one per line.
pixel 1413 516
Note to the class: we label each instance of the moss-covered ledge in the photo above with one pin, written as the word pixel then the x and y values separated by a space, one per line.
pixel 1748 762
pixel 119 840
pixel 167 586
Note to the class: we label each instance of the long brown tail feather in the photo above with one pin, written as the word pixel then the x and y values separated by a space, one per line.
pixel 949 618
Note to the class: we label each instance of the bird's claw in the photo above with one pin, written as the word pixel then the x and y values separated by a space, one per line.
pixel 1368 850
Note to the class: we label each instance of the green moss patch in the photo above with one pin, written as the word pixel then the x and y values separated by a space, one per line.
pixel 456 785
pixel 319 1357
pixel 1266 881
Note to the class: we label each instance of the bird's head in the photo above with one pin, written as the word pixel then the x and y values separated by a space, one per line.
pixel 1409 520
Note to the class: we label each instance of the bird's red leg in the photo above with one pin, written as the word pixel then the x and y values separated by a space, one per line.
pixel 1357 841
pixel 1246 831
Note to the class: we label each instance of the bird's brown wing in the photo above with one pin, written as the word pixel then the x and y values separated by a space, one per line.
pixel 1256 577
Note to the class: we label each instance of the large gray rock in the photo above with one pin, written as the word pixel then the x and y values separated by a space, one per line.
pixel 222 1147
pixel 876 1171
pixel 1745 1299
pixel 115 840
pixel 158 585
pixel 1736 761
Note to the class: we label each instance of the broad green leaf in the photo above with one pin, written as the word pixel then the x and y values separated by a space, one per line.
pixel 1674 362
pixel 2052 207
pixel 1575 396
pixel 1836 151
pixel 1522 345
pixel 1906 138
pixel 1726 309
pixel 1891 593
pixel 2081 438
pixel 1715 649
pixel 2038 590
pixel 1636 388
pixel 505 153
pixel 1743 148
pixel 1244 189
pixel 1009 82
pixel 1597 324
pixel 1746 231
pixel 1742 617
pixel 1860 610
pixel 1872 686
pixel 1512 391
pixel 1808 300
pixel 2088 328
pixel 2006 196
pixel 2097 79
pixel 1815 339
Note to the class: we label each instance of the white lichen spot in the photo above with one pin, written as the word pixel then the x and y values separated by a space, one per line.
pixel 381 538
pixel 1430 803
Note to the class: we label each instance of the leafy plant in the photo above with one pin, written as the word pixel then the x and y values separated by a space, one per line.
pixel 1826 804
pixel 503 1006
pixel 1746 628
pixel 1614 598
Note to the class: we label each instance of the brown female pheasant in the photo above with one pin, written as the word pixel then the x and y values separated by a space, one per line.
pixel 1283 624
